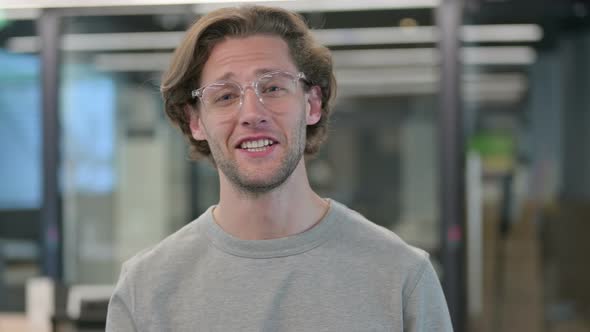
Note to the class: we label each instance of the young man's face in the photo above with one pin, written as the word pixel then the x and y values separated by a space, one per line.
pixel 235 137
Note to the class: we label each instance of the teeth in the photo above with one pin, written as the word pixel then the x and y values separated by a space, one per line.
pixel 257 145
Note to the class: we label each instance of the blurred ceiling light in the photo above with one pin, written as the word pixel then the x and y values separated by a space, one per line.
pixel 484 55
pixel 20 14
pixel 132 61
pixel 501 32
pixel 499 55
pixel 345 91
pixel 506 87
pixel 332 5
pixel 387 75
pixel 495 89
pixel 384 57
pixel 519 80
pixel 386 81
pixel 376 36
pixel 429 34
pixel 103 41
pixel 109 3
pixel 122 41
pixel 23 44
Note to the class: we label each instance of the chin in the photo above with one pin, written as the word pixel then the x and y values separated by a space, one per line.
pixel 260 185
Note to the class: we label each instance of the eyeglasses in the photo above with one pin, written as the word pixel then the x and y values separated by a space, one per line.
pixel 273 89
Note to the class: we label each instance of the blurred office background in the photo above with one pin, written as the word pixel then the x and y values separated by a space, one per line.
pixel 91 171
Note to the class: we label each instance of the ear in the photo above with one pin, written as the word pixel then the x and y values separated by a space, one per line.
pixel 313 107
pixel 195 123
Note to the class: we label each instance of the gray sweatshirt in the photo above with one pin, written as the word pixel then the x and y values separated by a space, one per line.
pixel 344 274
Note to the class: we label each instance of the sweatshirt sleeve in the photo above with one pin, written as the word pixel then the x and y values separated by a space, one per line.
pixel 425 308
pixel 120 311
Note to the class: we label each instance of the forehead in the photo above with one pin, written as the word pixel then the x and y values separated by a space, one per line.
pixel 243 58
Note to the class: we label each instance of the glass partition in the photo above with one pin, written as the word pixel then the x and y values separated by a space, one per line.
pixel 20 165
pixel 124 174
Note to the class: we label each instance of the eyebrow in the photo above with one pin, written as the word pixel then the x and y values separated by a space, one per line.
pixel 258 72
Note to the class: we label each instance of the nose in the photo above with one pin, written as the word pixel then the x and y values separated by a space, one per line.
pixel 252 112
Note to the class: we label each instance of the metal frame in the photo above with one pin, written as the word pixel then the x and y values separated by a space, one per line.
pixel 452 161
pixel 51 223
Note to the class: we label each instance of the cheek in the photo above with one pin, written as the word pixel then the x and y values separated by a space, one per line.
pixel 219 133
pixel 300 125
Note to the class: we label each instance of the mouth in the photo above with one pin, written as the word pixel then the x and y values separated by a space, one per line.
pixel 256 145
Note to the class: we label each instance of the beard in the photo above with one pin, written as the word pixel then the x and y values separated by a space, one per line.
pixel 256 187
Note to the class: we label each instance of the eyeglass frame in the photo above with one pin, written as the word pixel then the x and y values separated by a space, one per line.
pixel 198 93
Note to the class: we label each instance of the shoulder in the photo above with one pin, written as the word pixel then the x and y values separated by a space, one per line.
pixel 170 253
pixel 157 269
pixel 378 243
pixel 358 229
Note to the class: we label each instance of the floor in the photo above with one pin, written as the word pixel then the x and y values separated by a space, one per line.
pixel 515 292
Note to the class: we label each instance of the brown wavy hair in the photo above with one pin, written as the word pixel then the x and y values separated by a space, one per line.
pixel 188 61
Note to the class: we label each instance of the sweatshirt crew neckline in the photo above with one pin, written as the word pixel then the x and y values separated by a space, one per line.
pixel 271 248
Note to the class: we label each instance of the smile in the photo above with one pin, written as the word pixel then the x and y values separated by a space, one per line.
pixel 256 145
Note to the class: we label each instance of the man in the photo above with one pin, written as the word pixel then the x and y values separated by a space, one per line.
pixel 251 89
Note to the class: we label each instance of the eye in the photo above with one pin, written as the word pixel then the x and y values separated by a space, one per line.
pixel 221 95
pixel 274 88
pixel 225 97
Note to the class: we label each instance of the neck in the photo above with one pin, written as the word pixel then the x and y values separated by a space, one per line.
pixel 290 209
